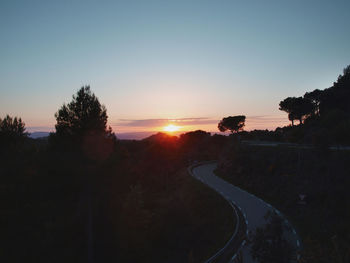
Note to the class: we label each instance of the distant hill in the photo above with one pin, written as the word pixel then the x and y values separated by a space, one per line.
pixel 133 135
pixel 120 136
pixel 159 137
pixel 35 135
pixel 141 135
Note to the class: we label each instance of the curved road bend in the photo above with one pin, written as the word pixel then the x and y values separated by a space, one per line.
pixel 253 207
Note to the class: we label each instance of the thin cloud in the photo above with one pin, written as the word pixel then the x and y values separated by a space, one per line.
pixel 265 122
pixel 257 121
pixel 162 122
pixel 266 118
pixel 31 129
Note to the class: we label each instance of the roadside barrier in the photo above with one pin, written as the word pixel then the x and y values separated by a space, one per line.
pixel 222 250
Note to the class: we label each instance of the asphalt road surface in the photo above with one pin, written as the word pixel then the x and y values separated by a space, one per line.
pixel 251 206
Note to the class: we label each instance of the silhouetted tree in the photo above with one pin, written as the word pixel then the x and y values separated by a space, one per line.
pixel 232 123
pixel 337 96
pixel 315 98
pixel 268 244
pixel 82 124
pixel 12 130
pixel 297 108
pixel 84 113
pixel 291 117
pixel 195 144
pixel 305 108
pixel 194 137
pixel 327 113
pixel 287 105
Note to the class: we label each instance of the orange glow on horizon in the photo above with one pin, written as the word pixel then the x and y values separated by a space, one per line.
pixel 171 128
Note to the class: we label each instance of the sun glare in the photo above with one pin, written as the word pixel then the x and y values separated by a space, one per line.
pixel 171 128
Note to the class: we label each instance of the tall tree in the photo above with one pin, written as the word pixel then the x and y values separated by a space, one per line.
pixel 337 97
pixel 232 123
pixel 287 106
pixel 82 123
pixel 12 130
pixel 297 108
pixel 83 114
pixel 315 98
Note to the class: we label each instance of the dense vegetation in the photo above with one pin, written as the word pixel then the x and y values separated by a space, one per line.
pixel 309 182
pixel 269 243
pixel 82 194
pixel 323 117
pixel 232 123
pixel 283 175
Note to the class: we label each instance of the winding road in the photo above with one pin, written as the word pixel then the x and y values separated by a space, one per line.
pixel 252 207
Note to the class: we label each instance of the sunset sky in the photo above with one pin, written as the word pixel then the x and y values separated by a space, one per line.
pixel 151 63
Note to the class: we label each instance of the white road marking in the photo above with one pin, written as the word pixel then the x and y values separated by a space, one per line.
pixel 217 184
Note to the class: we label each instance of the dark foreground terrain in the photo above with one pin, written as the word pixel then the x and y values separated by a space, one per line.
pixel 137 205
pixel 310 186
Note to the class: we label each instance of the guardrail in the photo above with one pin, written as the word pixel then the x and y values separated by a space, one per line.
pixel 233 204
pixel 222 250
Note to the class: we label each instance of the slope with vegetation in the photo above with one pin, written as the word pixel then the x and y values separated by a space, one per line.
pixel 84 195
pixel 324 115
pixel 309 186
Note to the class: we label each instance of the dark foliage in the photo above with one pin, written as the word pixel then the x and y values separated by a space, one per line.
pixel 83 114
pixel 66 200
pixel 261 135
pixel 82 126
pixel 12 132
pixel 337 96
pixel 232 123
pixel 297 108
pixel 281 174
pixel 269 244
pixel 315 98
pixel 325 114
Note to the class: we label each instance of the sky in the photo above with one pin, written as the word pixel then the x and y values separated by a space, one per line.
pixel 151 63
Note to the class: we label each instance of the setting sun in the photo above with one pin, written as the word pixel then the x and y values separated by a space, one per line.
pixel 171 128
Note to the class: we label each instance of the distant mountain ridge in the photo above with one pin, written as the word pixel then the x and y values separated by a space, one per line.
pixel 120 136
pixel 36 135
